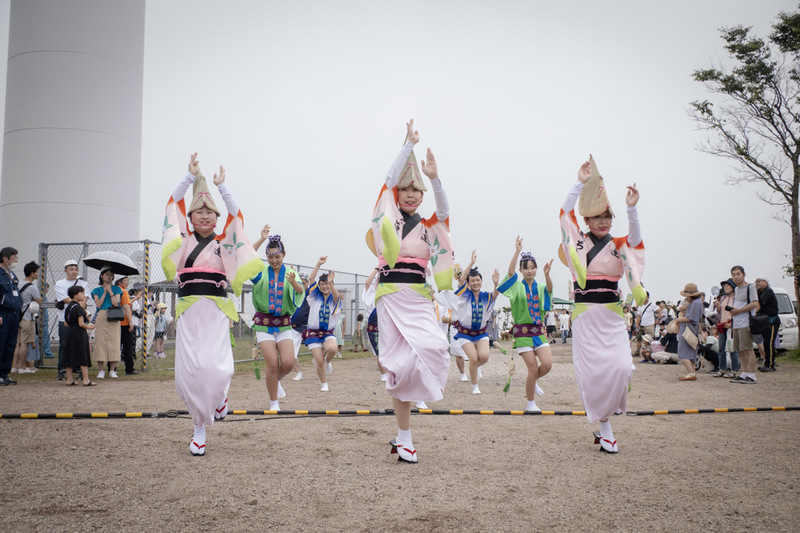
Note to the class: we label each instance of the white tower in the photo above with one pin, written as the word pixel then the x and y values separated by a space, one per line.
pixel 73 123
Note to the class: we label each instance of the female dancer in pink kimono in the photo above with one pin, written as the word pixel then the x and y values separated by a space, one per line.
pixel 204 262
pixel 601 351
pixel 412 346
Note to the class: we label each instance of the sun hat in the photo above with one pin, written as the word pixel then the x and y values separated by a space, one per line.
pixel 201 196
pixel 593 200
pixel 161 305
pixel 410 175
pixel 690 290
pixel 104 268
pixel 729 281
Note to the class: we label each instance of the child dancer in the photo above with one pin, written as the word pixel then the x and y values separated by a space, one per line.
pixel 472 308
pixel 204 262
pixel 276 295
pixel 324 306
pixel 529 304
pixel 600 348
pixel 413 349
pixel 77 349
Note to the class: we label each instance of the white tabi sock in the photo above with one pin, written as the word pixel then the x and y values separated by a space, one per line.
pixel 475 389
pixel 538 391
pixel 274 406
pixel 281 392
pixel 605 431
pixel 199 434
pixel 404 438
pixel 532 406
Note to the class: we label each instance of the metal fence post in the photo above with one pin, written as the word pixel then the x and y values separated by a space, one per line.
pixel 145 303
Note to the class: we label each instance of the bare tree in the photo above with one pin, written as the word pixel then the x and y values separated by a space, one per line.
pixel 755 117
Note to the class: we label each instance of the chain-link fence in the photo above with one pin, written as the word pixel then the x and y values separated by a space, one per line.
pixel 156 289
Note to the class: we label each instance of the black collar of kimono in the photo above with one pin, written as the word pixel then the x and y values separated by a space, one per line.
pixel 202 242
pixel 410 222
pixel 597 246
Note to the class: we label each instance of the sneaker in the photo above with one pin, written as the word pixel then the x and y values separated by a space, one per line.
pixel 737 379
pixel 61 376
pixel 718 374
pixel 714 371
pixel 13 371
pixel 760 369
pixel 747 381
pixel 324 388
pixel 101 374
pixel 112 374
pixel 29 371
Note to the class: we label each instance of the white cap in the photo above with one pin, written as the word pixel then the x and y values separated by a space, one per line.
pixel 70 262
pixel 762 278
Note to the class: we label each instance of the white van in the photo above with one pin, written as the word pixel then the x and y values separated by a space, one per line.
pixel 787 334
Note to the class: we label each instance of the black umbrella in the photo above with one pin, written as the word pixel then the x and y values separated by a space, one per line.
pixel 119 263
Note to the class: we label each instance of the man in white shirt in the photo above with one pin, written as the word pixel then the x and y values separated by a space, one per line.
pixel 563 321
pixel 745 304
pixel 62 299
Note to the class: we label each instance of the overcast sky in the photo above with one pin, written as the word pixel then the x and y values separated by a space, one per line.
pixel 305 105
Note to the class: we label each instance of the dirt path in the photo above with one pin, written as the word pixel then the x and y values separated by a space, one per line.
pixel 711 472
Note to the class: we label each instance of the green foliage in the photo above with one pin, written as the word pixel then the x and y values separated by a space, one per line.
pixel 753 117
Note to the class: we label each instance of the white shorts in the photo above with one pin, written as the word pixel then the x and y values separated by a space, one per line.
pixel 274 337
pixel 523 349
pixel 297 337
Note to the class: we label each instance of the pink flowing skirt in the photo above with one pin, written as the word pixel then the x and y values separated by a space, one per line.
pixel 412 347
pixel 601 355
pixel 203 359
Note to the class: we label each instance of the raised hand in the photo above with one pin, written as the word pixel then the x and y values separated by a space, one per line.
pixel 265 232
pixel 219 179
pixel 331 275
pixel 194 165
pixel 632 197
pixel 429 166
pixel 322 259
pixel 584 172
pixel 473 258
pixel 413 135
pixel 546 267
pixel 518 245
pixel 496 277
pixel 290 277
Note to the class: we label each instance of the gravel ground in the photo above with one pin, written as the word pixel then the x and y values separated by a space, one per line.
pixel 688 472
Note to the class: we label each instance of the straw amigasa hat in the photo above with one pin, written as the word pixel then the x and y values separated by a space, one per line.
pixel 411 175
pixel 594 200
pixel 201 196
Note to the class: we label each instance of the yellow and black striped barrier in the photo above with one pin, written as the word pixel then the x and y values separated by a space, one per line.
pixel 382 412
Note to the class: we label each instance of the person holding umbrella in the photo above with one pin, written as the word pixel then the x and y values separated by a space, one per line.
pixel 205 265
pixel 106 332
